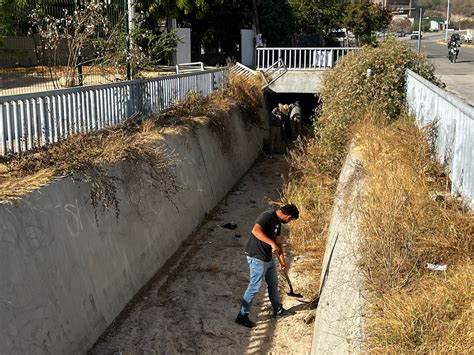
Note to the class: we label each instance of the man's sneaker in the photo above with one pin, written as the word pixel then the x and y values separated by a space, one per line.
pixel 245 321
pixel 283 312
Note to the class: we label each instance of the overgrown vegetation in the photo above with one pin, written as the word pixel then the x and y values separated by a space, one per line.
pixel 404 221
pixel 88 158
pixel 350 94
pixel 409 220
pixel 247 94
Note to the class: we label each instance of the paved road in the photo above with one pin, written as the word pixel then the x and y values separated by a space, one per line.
pixel 458 77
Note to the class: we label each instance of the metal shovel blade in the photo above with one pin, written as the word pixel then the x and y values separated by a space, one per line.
pixel 291 293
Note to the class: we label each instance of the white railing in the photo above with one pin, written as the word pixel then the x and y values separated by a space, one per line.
pixel 242 70
pixel 274 72
pixel 301 58
pixel 455 130
pixel 28 121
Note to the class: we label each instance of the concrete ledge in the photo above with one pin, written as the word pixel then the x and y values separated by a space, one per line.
pixel 295 81
pixel 64 279
pixel 339 316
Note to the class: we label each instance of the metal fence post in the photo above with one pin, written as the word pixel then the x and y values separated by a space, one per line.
pixel 3 142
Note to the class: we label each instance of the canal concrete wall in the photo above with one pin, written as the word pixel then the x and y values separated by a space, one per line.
pixel 65 277
pixel 338 327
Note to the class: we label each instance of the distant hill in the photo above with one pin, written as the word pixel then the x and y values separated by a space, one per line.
pixel 458 7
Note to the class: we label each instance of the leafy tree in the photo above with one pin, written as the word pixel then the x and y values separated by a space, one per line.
pixel 317 16
pixel 425 25
pixel 362 17
pixel 173 9
pixel 91 37
pixel 76 30
pixel 8 9
pixel 276 21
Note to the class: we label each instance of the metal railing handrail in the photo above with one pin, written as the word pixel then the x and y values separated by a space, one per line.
pixel 29 121
pixel 278 67
pixel 302 58
pixel 32 95
pixel 310 48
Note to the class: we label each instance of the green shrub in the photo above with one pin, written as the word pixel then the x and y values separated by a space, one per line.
pixel 349 94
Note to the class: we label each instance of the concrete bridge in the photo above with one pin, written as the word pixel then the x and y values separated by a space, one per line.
pixel 296 70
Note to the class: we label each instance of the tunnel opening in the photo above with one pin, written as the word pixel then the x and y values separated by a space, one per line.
pixel 308 103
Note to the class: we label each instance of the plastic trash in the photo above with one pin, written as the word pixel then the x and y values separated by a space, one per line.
pixel 437 267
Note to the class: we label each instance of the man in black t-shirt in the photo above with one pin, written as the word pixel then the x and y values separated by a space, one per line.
pixel 264 241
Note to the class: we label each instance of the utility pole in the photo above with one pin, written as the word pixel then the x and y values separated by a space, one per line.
pixel 409 9
pixel 447 23
pixel 129 7
pixel 131 17
pixel 419 31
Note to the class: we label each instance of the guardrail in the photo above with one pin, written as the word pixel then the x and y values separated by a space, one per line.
pixel 28 121
pixel 455 130
pixel 302 58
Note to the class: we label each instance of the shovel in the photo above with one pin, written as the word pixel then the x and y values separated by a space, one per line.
pixel 287 147
pixel 291 293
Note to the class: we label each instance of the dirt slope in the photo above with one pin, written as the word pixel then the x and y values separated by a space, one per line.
pixel 191 304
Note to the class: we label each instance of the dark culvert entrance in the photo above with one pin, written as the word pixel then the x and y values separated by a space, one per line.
pixel 308 103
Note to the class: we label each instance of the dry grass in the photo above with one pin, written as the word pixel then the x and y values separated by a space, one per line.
pixel 312 191
pixel 86 157
pixel 436 318
pixel 403 228
pixel 246 91
pixel 212 110
pixel 13 186
pixel 239 92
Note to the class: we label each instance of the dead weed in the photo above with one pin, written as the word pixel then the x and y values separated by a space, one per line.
pixel 87 157
pixel 403 228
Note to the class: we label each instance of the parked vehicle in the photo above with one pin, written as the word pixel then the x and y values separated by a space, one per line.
pixel 415 35
pixel 401 33
pixel 468 36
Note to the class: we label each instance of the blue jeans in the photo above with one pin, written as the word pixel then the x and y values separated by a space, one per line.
pixel 258 271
